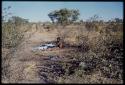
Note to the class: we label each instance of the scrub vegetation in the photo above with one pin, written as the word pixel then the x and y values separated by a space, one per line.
pixel 88 51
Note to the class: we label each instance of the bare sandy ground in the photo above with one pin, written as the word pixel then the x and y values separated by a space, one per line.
pixel 23 62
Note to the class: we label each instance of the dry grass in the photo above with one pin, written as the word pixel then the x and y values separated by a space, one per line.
pixel 101 50
pixel 104 54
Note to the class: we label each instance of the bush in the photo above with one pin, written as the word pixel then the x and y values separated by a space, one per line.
pixel 12 35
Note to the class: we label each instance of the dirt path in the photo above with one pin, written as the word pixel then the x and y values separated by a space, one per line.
pixel 23 63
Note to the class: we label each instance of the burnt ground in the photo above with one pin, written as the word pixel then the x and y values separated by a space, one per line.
pixel 52 65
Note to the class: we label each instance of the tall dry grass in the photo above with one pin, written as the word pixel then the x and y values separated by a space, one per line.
pixel 102 52
pixel 12 36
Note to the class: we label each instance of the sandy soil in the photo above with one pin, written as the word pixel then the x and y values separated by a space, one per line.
pixel 23 62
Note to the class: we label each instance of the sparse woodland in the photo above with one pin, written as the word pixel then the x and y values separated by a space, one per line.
pixel 95 43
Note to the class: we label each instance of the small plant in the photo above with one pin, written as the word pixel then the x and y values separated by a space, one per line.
pixel 93 23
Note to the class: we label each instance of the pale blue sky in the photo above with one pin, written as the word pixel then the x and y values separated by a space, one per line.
pixel 38 11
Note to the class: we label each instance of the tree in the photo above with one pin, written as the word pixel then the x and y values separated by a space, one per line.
pixel 94 18
pixel 64 16
pixel 81 21
pixel 17 20
pixel 117 20
pixel 6 13
pixel 92 23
